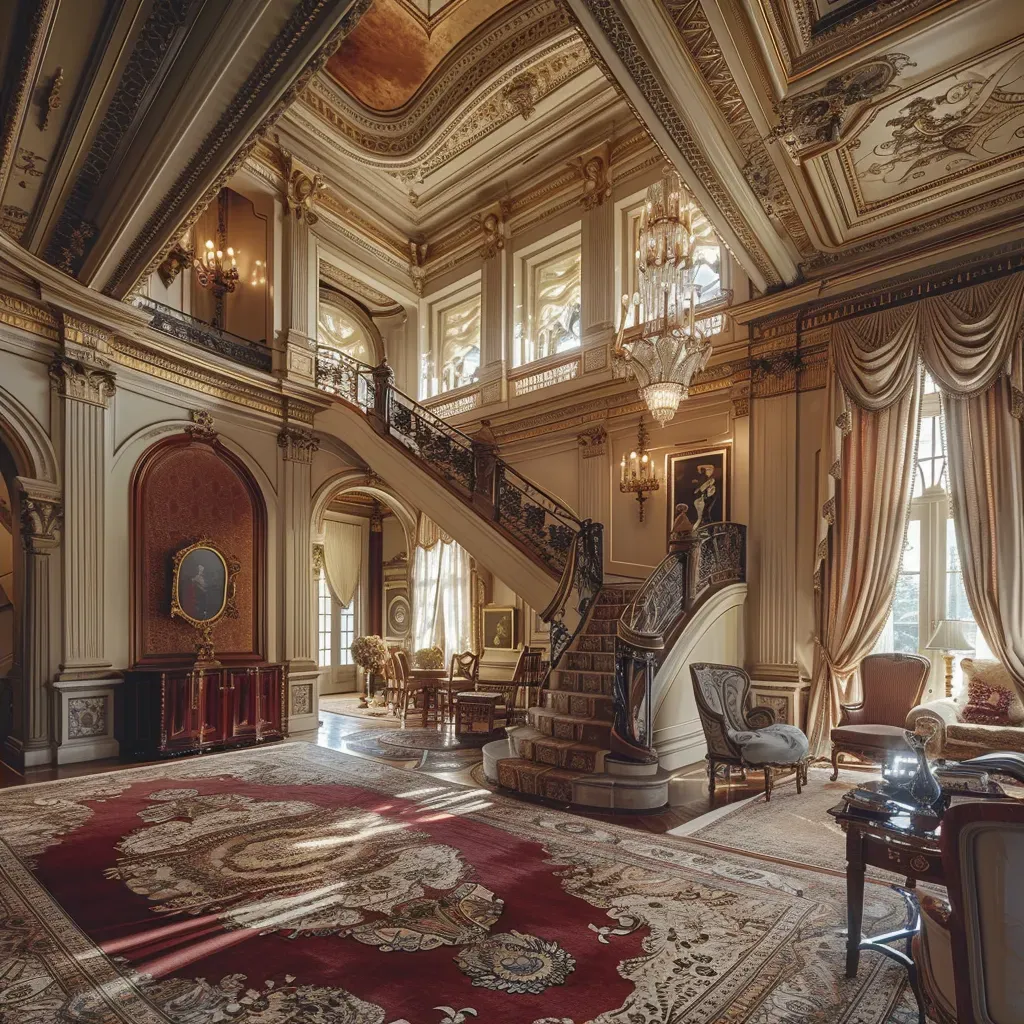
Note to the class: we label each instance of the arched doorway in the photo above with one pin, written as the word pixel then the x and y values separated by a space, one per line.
pixel 363 536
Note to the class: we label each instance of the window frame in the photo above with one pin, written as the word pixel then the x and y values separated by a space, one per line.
pixel 431 350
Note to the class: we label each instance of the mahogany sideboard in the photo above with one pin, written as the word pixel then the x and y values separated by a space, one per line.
pixel 172 711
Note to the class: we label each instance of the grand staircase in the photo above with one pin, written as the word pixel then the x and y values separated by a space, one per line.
pixel 563 753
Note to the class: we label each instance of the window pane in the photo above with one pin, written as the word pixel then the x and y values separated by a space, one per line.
pixel 554 306
pixel 912 548
pixel 337 329
pixel 324 608
pixel 346 633
pixel 459 326
pixel 906 613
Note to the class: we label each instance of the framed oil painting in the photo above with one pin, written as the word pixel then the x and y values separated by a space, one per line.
pixel 700 481
pixel 202 584
pixel 500 628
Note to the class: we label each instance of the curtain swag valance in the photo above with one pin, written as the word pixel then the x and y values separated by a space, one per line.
pixel 428 533
pixel 966 339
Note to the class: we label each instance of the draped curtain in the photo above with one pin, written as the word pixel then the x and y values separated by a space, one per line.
pixel 441 591
pixel 970 342
pixel 343 551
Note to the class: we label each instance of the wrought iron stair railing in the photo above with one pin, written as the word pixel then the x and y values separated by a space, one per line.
pixel 546 530
pixel 711 558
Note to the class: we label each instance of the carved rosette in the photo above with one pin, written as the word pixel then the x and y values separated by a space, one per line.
pixel 82 382
pixel 297 444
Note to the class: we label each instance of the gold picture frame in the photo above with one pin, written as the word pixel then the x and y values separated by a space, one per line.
pixel 699 479
pixel 203 588
pixel 501 628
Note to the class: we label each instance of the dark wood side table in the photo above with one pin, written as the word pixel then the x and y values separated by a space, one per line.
pixel 893 844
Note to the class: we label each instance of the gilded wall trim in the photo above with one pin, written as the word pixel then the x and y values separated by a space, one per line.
pixel 28 317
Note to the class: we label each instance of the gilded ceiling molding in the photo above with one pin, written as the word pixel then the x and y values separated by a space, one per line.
pixel 167 22
pixel 499 42
pixel 759 170
pixel 28 41
pixel 606 15
pixel 303 21
pixel 28 317
pixel 380 303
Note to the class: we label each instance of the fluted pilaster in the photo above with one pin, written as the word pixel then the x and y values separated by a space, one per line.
pixel 594 474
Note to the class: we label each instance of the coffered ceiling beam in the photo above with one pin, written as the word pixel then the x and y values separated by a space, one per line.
pixel 638 45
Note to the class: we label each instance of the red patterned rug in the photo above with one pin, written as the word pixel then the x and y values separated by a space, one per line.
pixel 296 885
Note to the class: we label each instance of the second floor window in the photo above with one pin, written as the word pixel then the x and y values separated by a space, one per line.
pixel 548 293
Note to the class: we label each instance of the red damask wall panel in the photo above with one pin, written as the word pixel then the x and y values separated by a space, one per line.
pixel 184 489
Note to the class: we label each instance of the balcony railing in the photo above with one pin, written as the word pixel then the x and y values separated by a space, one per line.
pixel 540 524
pixel 192 331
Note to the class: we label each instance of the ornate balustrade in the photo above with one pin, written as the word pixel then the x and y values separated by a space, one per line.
pixel 714 557
pixel 176 324
pixel 568 547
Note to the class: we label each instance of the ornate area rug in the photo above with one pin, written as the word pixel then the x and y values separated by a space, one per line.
pixel 296 885
pixel 431 749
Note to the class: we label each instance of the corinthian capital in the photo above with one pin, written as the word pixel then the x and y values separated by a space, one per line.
pixel 297 444
pixel 82 381
pixel 42 513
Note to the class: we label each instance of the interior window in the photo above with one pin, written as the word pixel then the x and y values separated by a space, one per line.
pixel 459 328
pixel 340 330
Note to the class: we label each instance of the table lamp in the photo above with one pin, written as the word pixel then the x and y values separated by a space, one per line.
pixel 950 638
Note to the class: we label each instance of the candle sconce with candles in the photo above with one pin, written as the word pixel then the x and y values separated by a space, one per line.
pixel 638 475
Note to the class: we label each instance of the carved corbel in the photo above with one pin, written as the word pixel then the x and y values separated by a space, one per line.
pixel 595 171
pixel 178 259
pixel 201 428
pixel 492 227
pixel 418 250
pixel 297 444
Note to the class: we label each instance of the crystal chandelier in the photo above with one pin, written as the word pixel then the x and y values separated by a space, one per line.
pixel 670 345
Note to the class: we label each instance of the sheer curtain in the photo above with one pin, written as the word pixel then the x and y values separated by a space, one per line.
pixel 970 341
pixel 343 551
pixel 441 592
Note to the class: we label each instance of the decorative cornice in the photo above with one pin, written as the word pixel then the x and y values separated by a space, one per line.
pixel 28 317
pixel 172 217
pixel 606 15
pixel 379 302
pixel 162 30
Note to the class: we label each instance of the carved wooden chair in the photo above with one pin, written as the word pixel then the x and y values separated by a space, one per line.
pixel 740 736
pixel 420 688
pixel 462 668
pixel 968 952
pixel 891 685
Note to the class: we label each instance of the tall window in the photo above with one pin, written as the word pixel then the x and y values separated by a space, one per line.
pixel 930 583
pixel 548 291
pixel 451 357
pixel 324 624
pixel 338 329
pixel 346 632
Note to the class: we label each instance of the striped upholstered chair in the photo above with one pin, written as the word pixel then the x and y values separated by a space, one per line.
pixel 891 685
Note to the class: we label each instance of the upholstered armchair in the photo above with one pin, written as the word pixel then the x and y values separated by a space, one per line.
pixel 968 954
pixel 891 684
pixel 741 736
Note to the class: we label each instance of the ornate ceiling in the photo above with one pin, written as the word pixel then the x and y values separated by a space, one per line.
pixel 824 134
pixel 121 119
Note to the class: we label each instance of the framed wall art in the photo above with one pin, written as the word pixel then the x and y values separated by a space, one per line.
pixel 501 628
pixel 203 589
pixel 700 481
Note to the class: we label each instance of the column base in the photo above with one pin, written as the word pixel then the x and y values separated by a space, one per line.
pixel 19 756
pixel 73 670
pixel 303 698
pixel 788 698
pixel 84 719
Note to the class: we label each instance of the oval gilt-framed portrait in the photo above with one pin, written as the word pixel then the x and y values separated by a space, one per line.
pixel 203 586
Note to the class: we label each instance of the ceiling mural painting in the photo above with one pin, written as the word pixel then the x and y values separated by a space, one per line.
pixel 965 123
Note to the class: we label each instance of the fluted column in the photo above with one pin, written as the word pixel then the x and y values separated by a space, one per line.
pixel 597 269
pixel 492 314
pixel 31 741
pixel 296 447
pixel 594 474
pixel 85 387
pixel 297 359
pixel 773 536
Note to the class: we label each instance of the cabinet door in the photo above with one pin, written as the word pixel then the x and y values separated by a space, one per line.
pixel 242 703
pixel 179 706
pixel 271 688
pixel 212 718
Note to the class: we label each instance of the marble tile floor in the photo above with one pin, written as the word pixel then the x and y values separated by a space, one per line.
pixel 688 791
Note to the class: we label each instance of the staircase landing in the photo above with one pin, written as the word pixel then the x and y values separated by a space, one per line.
pixel 562 753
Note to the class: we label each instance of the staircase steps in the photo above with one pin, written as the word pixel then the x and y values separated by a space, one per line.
pixel 562 753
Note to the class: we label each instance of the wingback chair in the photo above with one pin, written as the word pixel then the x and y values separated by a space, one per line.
pixel 891 685
pixel 739 735
pixel 968 954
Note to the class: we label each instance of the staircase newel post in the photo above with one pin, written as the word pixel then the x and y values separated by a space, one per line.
pixel 486 470
pixel 383 383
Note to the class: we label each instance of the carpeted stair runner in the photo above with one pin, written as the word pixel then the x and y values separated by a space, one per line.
pixel 567 738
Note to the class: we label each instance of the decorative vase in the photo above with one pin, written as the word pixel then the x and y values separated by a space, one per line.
pixel 924 788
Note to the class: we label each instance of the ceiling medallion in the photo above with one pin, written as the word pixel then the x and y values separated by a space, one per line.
pixel 670 345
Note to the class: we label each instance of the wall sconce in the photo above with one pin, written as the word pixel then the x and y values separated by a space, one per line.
pixel 259 274
pixel 638 475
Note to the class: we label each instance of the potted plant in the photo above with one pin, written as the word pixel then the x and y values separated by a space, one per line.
pixel 371 654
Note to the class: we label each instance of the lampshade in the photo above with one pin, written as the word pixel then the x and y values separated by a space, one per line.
pixel 949 635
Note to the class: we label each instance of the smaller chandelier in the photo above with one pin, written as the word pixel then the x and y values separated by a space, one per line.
pixel 670 346
pixel 638 475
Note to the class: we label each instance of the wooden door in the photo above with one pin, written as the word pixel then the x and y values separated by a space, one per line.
pixel 180 717
pixel 242 703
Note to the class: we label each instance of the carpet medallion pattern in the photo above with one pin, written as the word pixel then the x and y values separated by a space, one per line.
pixel 296 885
